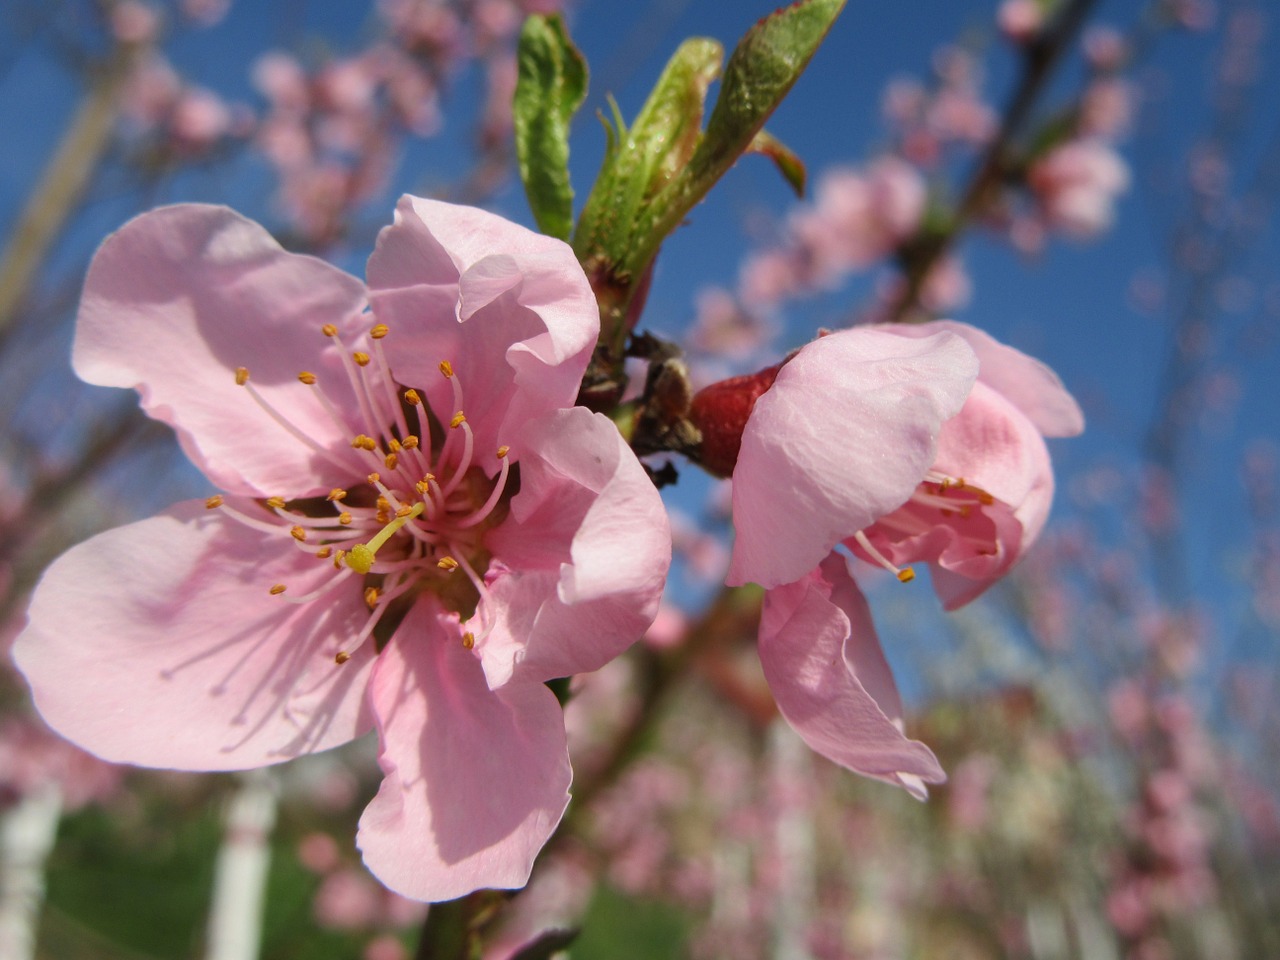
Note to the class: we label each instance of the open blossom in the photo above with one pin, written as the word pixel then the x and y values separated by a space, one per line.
pixel 903 444
pixel 1076 185
pixel 417 530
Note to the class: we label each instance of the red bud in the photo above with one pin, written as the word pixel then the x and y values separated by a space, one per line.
pixel 720 412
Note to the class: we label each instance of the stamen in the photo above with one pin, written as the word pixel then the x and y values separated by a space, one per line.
pixel 322 589
pixel 464 462
pixel 458 420
pixel 212 503
pixel 468 640
pixel 361 556
pixel 379 331
pixel 298 533
pixel 473 518
pixel 361 358
pixel 242 378
pixel 276 503
pixel 447 563
pixel 278 589
pixel 337 493
pixel 413 398
pixel 904 574
pixel 371 597
pixel 329 330
pixel 307 377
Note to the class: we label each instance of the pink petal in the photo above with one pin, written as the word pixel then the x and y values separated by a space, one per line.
pixel 475 780
pixel 587 547
pixel 1026 382
pixel 178 298
pixel 992 444
pixel 829 677
pixel 843 436
pixel 510 309
pixel 158 644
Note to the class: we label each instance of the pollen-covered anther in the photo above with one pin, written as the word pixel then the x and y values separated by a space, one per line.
pixel 374 479
pixel 404 510
pixel 412 397
pixel 277 589
pixel 337 493
pixel 391 460
pixel 458 420
pixel 503 451
pixel 362 442
pixel 324 553
pixel 371 595
pixel 446 368
pixel 298 533
pixel 338 556
pixel 379 331
pixel 329 330
pixel 424 485
pixel 361 358
pixel 468 640
pixel 906 575
pixel 276 503
pixel 341 657
pixel 242 376
pixel 307 377
pixel 447 563
pixel 214 502
pixel 410 442
pixel 393 445
pixel 344 518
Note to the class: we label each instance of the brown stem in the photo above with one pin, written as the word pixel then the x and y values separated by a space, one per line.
pixel 919 256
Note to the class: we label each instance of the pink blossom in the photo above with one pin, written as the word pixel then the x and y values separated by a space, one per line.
pixel 371 563
pixel 1020 20
pixel 1077 184
pixel 134 22
pixel 987 495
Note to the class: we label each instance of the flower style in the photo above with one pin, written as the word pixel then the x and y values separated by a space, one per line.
pixel 416 531
pixel 904 444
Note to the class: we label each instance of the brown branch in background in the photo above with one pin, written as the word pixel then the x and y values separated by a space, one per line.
pixel 919 255
pixel 63 182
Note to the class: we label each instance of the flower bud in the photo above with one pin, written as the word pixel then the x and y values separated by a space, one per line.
pixel 720 412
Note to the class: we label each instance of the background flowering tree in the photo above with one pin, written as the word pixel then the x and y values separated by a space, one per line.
pixel 1090 183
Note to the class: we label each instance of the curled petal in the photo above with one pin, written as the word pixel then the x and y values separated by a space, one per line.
pixel 159 644
pixel 475 780
pixel 842 437
pixel 1024 381
pixel 518 326
pixel 180 297
pixel 824 664
pixel 585 553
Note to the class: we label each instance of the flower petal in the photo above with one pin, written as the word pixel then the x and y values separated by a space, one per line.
pixel 158 644
pixel 1027 383
pixel 178 298
pixel 829 677
pixel 585 551
pixel 510 309
pixel 843 436
pixel 476 780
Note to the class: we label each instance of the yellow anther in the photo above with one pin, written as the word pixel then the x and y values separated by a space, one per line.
pixel 446 368
pixel 446 563
pixel 242 376
pixel 458 420
pixel 412 397
pixel 361 442
pixel 214 502
pixel 278 589
pixel 276 503
pixel 391 460
pixel 361 557
pixel 410 442
pixel 379 331
pixel 422 486
pixel 382 503
pixel 329 330
pixel 375 479
pixel 393 445
pixel 341 657
pixel 337 558
pixel 503 451
pixel 468 640
pixel 307 377
pixel 324 553
pixel 344 518
pixel 361 358
pixel 371 597
pixel 404 510
pixel 337 493
pixel 298 533
pixel 906 575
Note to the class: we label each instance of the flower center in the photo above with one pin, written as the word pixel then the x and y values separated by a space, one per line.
pixel 416 521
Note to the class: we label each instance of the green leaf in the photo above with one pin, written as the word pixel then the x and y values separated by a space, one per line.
pixel 760 72
pixel 642 160
pixel 550 86
pixel 784 158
